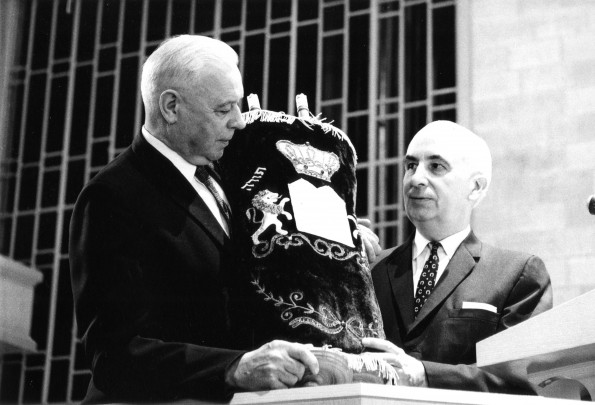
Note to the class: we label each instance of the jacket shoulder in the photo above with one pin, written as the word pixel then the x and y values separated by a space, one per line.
pixel 388 255
pixel 490 252
pixel 521 266
pixel 117 170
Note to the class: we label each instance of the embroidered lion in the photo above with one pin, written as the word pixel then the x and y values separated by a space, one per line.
pixel 266 202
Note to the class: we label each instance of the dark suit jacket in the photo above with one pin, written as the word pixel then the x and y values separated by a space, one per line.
pixel 150 268
pixel 443 336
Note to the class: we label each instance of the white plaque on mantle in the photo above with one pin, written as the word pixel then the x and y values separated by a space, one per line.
pixel 320 211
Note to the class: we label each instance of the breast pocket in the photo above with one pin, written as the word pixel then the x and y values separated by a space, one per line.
pixel 478 314
pixel 454 338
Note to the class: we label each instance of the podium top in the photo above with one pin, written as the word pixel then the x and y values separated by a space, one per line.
pixel 361 393
pixel 567 330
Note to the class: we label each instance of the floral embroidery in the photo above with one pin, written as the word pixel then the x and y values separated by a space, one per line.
pixel 326 321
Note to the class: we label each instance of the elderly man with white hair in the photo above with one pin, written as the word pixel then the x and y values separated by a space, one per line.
pixel 152 261
pixel 443 290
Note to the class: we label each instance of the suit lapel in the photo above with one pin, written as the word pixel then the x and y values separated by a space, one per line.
pixel 167 177
pixel 459 267
pixel 202 214
pixel 401 280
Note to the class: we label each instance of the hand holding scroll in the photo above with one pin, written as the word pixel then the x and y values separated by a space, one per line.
pixel 411 371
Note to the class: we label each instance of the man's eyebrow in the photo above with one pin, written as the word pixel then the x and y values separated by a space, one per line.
pixel 223 104
pixel 437 157
pixel 409 158
pixel 228 102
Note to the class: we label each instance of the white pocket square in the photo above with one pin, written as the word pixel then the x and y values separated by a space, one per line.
pixel 479 305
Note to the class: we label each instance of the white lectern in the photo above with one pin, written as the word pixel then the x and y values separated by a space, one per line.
pixel 555 350
pixel 374 394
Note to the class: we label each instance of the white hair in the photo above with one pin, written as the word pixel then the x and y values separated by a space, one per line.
pixel 179 61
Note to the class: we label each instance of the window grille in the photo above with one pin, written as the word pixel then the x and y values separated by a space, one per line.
pixel 380 69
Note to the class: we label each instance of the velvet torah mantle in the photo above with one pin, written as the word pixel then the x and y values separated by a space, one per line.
pixel 303 275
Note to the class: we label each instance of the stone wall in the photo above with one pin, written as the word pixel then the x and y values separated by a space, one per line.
pixel 531 95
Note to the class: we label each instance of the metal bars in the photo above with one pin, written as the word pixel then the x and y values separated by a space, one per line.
pixel 380 69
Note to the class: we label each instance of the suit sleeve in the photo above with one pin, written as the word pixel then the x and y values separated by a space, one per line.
pixel 112 311
pixel 530 295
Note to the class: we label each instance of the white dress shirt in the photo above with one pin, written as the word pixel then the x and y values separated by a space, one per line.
pixel 188 170
pixel 421 251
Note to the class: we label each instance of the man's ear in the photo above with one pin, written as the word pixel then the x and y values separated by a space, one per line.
pixel 169 103
pixel 479 188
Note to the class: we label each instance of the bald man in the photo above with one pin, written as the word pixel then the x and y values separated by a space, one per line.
pixel 444 290
pixel 152 260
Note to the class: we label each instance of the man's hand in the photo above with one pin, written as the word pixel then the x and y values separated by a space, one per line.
pixel 410 370
pixel 369 239
pixel 275 365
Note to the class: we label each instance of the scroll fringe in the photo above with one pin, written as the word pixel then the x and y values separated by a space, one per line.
pixel 274 116
pixel 357 362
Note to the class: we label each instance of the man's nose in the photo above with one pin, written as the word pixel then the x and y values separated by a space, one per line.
pixel 419 177
pixel 237 121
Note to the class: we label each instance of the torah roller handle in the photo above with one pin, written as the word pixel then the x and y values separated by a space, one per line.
pixel 301 102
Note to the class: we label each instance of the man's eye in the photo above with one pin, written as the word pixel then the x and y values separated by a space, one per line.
pixel 410 165
pixel 222 112
pixel 437 167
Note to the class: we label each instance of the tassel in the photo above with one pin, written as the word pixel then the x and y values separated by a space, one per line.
pixel 357 362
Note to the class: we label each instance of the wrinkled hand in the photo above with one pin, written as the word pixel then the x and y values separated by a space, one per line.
pixel 275 365
pixel 369 239
pixel 411 371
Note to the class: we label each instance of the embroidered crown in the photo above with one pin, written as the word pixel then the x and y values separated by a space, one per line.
pixel 310 161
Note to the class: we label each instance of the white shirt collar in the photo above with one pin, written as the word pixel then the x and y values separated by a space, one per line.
pixel 450 244
pixel 187 169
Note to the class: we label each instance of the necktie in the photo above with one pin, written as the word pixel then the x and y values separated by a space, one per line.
pixel 203 175
pixel 427 280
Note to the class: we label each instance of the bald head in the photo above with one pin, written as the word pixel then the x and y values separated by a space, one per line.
pixel 464 144
pixel 182 62
pixel 447 173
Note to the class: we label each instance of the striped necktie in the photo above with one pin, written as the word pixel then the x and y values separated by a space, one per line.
pixel 203 175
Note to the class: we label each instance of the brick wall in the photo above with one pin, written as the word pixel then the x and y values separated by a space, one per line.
pixel 531 95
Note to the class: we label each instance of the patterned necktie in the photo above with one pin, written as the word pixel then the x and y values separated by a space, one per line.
pixel 203 175
pixel 427 280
